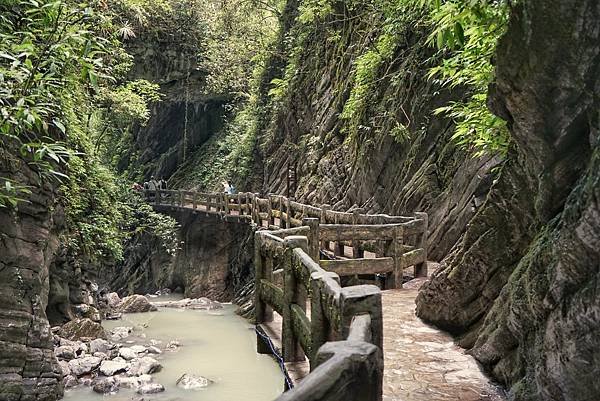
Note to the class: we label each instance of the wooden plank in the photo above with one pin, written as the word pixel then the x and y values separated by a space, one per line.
pixel 301 325
pixel 350 267
pixel 272 295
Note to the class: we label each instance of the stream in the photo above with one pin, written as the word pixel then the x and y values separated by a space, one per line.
pixel 217 344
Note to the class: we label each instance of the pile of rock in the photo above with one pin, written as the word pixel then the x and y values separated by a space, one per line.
pixel 191 303
pixel 107 366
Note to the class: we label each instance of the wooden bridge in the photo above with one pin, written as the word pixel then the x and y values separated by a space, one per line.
pixel 328 332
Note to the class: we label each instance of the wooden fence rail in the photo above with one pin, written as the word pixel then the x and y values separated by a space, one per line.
pixel 300 253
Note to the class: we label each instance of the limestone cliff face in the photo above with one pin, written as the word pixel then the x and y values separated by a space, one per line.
pixel 185 117
pixel 522 287
pixel 28 242
pixel 214 260
pixel 402 158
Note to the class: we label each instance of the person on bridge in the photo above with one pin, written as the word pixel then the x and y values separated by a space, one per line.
pixel 162 184
pixel 152 184
pixel 226 187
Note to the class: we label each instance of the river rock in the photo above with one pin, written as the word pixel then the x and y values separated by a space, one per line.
pixel 136 304
pixel 173 345
pixel 64 367
pixel 100 345
pixel 133 382
pixel 105 385
pixel 70 381
pixel 150 388
pixel 82 328
pixel 191 303
pixel 193 382
pixel 154 350
pixel 110 368
pixel 144 365
pixel 85 365
pixel 119 333
pixel 113 300
pixel 127 353
pixel 138 349
pixel 65 353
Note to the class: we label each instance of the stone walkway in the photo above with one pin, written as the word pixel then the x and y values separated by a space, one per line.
pixel 423 363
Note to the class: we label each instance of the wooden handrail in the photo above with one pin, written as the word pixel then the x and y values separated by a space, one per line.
pixel 289 272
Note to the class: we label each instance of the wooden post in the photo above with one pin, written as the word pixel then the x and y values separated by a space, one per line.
pixel 288 208
pixel 398 259
pixel 226 203
pixel 239 202
pixel 338 248
pixel 324 209
pixel 357 253
pixel 421 268
pixel 157 197
pixel 320 327
pixel 313 237
pixel 195 200
pixel 292 351
pixel 270 217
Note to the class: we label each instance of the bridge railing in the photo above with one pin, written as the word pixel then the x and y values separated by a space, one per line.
pixel 341 336
pixel 397 242
pixel 338 329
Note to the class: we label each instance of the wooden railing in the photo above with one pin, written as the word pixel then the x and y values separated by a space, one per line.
pixel 301 251
pixel 342 335
pixel 397 242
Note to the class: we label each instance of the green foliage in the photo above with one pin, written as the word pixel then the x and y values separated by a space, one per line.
pixel 237 32
pixel 311 11
pixel 62 91
pixel 468 31
pixel 366 73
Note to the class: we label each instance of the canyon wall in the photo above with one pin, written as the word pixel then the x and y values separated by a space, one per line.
pixel 522 287
pixel 214 259
pixel 399 158
pixel 29 240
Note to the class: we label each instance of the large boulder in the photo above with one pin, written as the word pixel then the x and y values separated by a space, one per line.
pixel 85 365
pixel 150 388
pixel 136 304
pixel 105 385
pixel 120 333
pixel 109 368
pixel 193 382
pixel 133 382
pixel 127 353
pixel 113 300
pixel 82 329
pixel 65 353
pixel 100 345
pixel 143 366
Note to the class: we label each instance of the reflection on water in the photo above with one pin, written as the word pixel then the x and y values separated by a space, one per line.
pixel 217 344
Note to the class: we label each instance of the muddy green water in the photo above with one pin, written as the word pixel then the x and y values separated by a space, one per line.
pixel 217 344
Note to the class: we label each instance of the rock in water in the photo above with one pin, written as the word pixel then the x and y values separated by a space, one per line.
pixel 83 366
pixel 82 329
pixel 70 381
pixel 105 385
pixel 127 353
pixel 144 365
pixel 113 299
pixel 193 382
pixel 150 388
pixel 109 368
pixel 119 333
pixel 136 304
pixel 133 382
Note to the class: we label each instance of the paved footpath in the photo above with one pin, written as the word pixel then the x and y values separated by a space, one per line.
pixel 423 363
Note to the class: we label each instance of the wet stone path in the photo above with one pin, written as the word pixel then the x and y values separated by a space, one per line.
pixel 423 363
